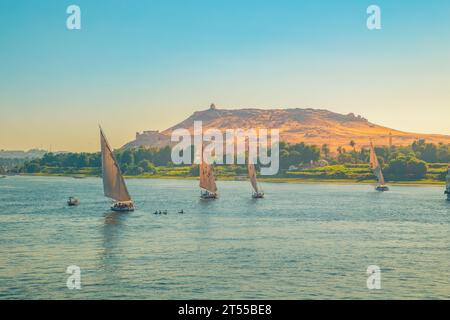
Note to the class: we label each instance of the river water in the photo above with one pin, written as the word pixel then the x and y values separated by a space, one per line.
pixel 303 241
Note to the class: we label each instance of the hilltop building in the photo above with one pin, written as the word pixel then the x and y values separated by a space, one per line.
pixel 149 138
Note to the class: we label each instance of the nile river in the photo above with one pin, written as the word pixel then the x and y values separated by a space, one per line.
pixel 303 241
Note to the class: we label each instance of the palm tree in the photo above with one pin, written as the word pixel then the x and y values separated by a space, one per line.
pixel 352 144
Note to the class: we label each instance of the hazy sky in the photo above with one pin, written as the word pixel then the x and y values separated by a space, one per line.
pixel 140 65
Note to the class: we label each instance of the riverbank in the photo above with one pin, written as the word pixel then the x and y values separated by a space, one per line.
pixel 244 178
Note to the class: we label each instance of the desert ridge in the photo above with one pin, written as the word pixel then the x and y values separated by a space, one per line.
pixel 311 126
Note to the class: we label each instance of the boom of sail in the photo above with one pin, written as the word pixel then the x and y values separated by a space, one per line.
pixel 114 185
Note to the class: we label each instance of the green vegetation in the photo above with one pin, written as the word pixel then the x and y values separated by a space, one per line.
pixel 10 163
pixel 420 161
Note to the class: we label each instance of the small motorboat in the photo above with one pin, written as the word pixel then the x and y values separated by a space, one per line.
pixel 73 202
pixel 382 188
pixel 125 206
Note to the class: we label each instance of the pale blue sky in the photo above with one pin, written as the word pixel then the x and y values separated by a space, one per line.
pixel 138 65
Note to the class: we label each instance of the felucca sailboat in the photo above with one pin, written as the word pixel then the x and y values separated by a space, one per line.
pixel 447 184
pixel 114 186
pixel 257 191
pixel 207 181
pixel 376 168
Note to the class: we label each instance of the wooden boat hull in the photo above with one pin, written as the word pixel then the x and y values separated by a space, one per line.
pixel 122 207
pixel 207 196
pixel 258 195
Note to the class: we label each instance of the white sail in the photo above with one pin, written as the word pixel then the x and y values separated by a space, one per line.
pixel 252 176
pixel 207 180
pixel 113 184
pixel 375 165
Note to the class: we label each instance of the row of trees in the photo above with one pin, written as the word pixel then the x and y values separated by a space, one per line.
pixel 408 162
pixel 139 160
pixel 397 161
pixel 406 168
pixel 295 154
pixel 132 161
pixel 430 152
pixel 420 149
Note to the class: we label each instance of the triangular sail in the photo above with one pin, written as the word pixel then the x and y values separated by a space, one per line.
pixel 252 176
pixel 113 184
pixel 375 165
pixel 207 180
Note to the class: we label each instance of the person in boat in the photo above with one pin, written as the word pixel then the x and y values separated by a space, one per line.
pixel 208 195
pixel 122 206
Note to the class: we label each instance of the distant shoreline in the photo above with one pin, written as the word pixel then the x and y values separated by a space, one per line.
pixel 270 180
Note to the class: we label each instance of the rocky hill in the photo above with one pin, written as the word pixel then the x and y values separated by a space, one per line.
pixel 312 126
